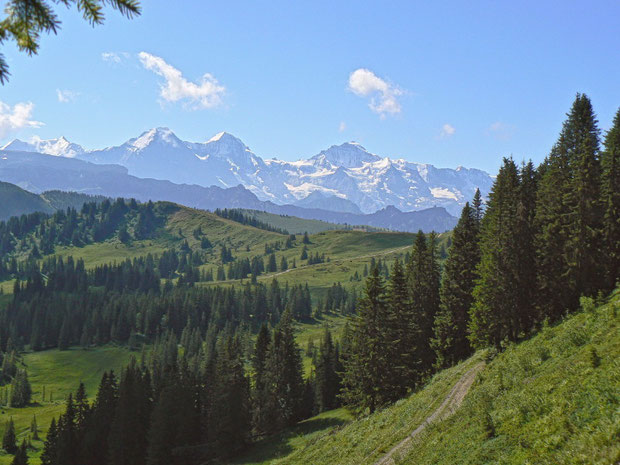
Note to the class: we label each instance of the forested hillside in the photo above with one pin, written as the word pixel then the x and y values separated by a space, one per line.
pixel 213 301
pixel 121 272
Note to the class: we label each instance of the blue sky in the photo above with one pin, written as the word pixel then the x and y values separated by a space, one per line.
pixel 448 83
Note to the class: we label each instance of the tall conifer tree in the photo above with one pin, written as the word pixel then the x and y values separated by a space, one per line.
pixel 402 335
pixel 494 314
pixel 9 439
pixel 569 214
pixel 610 161
pixel 283 380
pixel 364 384
pixel 128 434
pixel 450 327
pixel 423 280
pixel 327 382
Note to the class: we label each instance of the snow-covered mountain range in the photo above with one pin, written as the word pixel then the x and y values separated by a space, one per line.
pixel 345 177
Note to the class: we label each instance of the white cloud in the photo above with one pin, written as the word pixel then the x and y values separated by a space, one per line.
pixel 501 131
pixel 114 57
pixel 342 126
pixel 207 93
pixel 447 130
pixel 383 95
pixel 66 96
pixel 17 117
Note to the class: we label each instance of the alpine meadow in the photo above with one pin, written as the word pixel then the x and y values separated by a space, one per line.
pixel 182 300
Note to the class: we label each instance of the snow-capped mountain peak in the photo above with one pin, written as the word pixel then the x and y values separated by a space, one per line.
pixel 60 147
pixel 223 136
pixel 224 146
pixel 347 155
pixel 343 177
pixel 159 136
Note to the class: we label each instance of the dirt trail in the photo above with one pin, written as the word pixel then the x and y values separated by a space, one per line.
pixel 450 404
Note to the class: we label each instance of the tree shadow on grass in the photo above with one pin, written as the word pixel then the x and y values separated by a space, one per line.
pixel 278 446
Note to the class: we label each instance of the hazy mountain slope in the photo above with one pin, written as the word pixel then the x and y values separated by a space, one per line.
pixel 321 201
pixel 15 201
pixel 39 173
pixel 60 200
pixel 295 224
pixel 432 219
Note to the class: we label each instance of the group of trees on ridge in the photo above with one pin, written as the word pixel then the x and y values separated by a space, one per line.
pixel 548 235
pixel 37 234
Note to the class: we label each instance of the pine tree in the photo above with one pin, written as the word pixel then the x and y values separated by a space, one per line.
pixel 67 437
pixel 261 348
pixel 82 409
pixel 423 279
pixel 34 428
pixel 568 214
pixel 272 266
pixel 450 327
pixel 21 456
pixel 231 396
pixel 477 207
pixel 610 161
pixel 175 420
pixel 584 198
pixel 402 335
pixel 284 387
pixel 494 314
pixel 327 382
pixel 49 454
pixel 283 264
pixel 128 434
pixel 9 440
pixel 94 450
pixel 364 383
pixel 21 392
pixel 525 277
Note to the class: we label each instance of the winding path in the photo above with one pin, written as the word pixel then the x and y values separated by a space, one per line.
pixel 450 404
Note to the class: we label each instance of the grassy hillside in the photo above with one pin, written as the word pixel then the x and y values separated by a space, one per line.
pixel 179 227
pixel 59 372
pixel 552 399
pixel 348 251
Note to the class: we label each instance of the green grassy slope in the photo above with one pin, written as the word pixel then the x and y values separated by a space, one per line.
pixel 362 441
pixel 60 373
pixel 552 399
pixel 348 252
